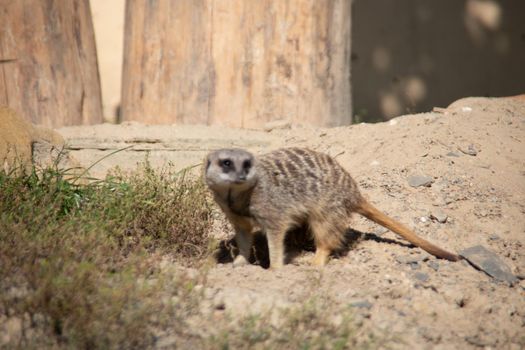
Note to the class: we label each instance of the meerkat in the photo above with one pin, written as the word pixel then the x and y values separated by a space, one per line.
pixel 289 187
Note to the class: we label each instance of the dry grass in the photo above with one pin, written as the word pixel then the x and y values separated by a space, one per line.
pixel 313 325
pixel 78 263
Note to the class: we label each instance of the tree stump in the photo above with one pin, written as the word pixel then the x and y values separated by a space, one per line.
pixel 48 64
pixel 240 63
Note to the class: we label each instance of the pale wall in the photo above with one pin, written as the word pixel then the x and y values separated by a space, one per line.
pixel 108 20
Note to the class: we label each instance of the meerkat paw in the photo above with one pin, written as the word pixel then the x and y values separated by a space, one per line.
pixel 276 265
pixel 321 257
pixel 240 261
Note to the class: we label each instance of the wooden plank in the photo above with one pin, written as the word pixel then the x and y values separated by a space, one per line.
pixel 240 63
pixel 52 76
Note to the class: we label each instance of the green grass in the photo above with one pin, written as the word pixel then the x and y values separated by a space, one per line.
pixel 79 262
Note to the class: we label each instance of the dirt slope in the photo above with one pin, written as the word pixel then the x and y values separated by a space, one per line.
pixel 475 154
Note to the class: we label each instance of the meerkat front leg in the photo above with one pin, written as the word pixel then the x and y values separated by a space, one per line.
pixel 276 248
pixel 244 240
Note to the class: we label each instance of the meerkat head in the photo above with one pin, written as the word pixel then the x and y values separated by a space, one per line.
pixel 230 168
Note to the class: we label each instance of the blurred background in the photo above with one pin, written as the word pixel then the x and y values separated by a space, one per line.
pixel 247 63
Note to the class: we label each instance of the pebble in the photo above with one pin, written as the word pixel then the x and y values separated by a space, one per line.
pixel 494 237
pixel 420 180
pixel 453 154
pixel 455 296
pixel 411 259
pixel 439 216
pixel 522 284
pixel 476 340
pixel 415 266
pixel 434 265
pixel 380 231
pixel 421 276
pixel 490 263
pixel 470 150
pixel 218 303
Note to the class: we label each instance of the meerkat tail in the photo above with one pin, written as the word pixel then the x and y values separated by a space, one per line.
pixel 370 212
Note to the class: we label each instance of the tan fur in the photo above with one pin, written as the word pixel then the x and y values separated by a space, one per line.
pixel 287 188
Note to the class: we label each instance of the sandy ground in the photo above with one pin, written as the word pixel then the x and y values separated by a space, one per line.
pixel 474 153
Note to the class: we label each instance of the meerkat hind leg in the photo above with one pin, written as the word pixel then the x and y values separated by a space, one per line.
pixel 321 256
pixel 327 238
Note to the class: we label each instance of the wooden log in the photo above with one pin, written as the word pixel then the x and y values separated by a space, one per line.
pixel 48 64
pixel 240 63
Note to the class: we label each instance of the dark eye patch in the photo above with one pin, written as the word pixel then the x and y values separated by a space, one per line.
pixel 226 163
pixel 247 164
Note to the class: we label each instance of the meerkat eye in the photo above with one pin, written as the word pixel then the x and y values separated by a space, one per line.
pixel 247 164
pixel 226 163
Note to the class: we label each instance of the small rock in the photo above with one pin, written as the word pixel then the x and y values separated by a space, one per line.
pixel 420 180
pixel 411 259
pixel 466 109
pixel 478 341
pixel 439 216
pixel 452 154
pixel 522 284
pixel 423 219
pixel 362 304
pixel 430 334
pixel 380 231
pixel 439 110
pixel 218 303
pixel 455 296
pixel 449 200
pixel 421 276
pixel 415 266
pixel 374 163
pixel 470 150
pixel 392 122
pixel 494 237
pixel 434 265
pixel 490 263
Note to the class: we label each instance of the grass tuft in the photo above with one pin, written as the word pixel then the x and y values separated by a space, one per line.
pixel 77 261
